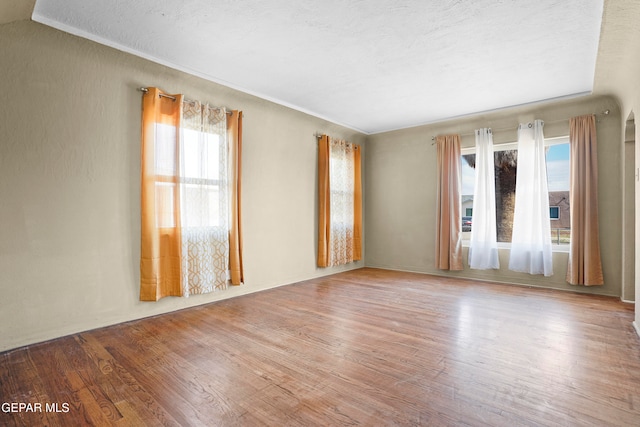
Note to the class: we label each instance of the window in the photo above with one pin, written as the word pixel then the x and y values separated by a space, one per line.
pixel 469 211
pixel 342 189
pixel 203 179
pixel 186 207
pixel 554 212
pixel 165 172
pixel 506 165
pixel 340 202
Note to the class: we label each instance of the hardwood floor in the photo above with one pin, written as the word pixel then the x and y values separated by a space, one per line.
pixel 368 347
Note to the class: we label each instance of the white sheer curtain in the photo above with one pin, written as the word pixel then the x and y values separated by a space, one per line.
pixel 531 240
pixel 341 175
pixel 204 198
pixel 483 247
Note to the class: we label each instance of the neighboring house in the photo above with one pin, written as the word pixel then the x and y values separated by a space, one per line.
pixel 559 209
pixel 467 205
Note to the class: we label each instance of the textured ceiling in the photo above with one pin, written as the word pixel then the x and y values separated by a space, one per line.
pixel 371 65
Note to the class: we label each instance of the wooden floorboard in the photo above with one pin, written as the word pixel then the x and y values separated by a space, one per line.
pixel 364 348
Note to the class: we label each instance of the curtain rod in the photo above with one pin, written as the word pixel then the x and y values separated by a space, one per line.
pixel 162 95
pixel 433 138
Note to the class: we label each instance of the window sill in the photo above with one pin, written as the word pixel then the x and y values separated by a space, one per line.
pixel 507 246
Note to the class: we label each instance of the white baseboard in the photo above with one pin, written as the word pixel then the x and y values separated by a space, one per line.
pixel 636 327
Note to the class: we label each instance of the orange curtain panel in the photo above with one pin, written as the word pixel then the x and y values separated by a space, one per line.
pixel 324 202
pixel 342 245
pixel 585 266
pixel 357 204
pixel 234 133
pixel 448 218
pixel 160 266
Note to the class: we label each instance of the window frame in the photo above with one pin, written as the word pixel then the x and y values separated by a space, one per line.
pixel 179 178
pixel 217 184
pixel 338 190
pixel 548 142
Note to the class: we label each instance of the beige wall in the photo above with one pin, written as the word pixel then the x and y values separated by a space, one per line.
pixel 14 10
pixel 629 213
pixel 69 185
pixel 401 191
pixel 618 73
